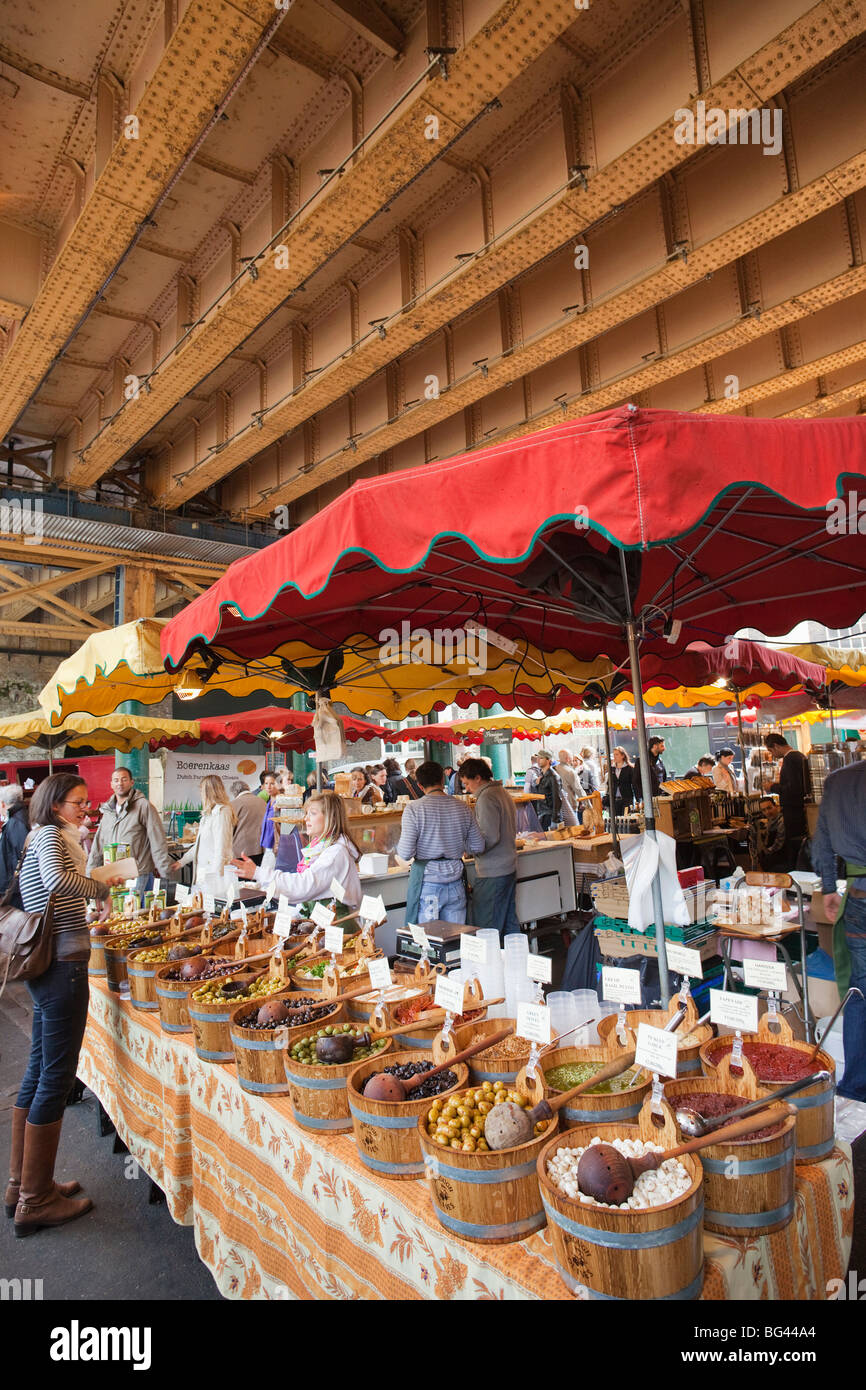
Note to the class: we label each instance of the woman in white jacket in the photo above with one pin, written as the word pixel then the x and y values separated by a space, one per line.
pixel 330 854
pixel 213 846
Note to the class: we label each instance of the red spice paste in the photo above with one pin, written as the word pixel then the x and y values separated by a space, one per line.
pixel 710 1104
pixel 772 1061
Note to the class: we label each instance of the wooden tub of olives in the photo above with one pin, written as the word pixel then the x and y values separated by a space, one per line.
pixel 172 994
pixel 386 1132
pixel 318 1090
pixel 481 1194
pixel 135 966
pixel 211 1007
pixel 259 1052
pixel 314 984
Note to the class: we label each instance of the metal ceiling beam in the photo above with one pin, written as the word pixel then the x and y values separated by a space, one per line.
pixel 785 381
pixel 369 20
pixel 823 404
pixel 504 48
pixel 47 76
pixel 205 56
pixel 518 251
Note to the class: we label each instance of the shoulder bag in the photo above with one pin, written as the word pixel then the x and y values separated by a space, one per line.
pixel 26 938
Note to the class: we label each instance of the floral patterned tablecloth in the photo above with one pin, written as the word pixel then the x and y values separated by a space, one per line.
pixel 282 1213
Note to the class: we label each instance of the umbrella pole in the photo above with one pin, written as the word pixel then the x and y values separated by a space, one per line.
pixel 610 793
pixel 742 739
pixel 649 816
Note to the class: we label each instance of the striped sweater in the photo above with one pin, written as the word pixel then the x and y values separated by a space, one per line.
pixel 48 869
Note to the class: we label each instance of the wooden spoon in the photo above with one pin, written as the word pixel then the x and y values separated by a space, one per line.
pixel 607 1176
pixel 385 1087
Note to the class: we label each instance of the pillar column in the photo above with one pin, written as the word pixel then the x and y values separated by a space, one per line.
pixel 498 753
pixel 134 597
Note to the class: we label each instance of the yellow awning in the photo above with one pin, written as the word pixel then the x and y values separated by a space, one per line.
pixel 844 664
pixel 109 733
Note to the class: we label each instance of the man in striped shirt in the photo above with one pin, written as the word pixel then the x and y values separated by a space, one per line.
pixel 436 832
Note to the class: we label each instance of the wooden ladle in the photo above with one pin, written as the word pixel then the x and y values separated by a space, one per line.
pixel 339 1047
pixel 607 1176
pixel 385 1087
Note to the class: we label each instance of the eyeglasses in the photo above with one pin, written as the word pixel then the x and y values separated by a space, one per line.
pixel 75 803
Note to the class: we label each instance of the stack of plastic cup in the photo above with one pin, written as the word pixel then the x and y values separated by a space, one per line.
pixel 586 1005
pixel 492 972
pixel 516 951
pixel 563 1016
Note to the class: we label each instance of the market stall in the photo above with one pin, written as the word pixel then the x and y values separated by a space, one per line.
pixel 280 1212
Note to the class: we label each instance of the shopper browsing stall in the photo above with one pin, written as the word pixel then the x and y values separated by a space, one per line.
pixel 435 833
pixel 129 818
pixel 794 785
pixel 213 843
pixel 622 779
pixel 493 894
pixel 549 787
pixel 724 777
pixel 330 854
pixel 249 812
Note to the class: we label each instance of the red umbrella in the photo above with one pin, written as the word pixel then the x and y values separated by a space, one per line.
pixel 631 529
pixel 248 726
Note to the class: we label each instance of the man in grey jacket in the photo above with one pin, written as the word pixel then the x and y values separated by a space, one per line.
pixel 249 809
pixel 496 867
pixel 129 818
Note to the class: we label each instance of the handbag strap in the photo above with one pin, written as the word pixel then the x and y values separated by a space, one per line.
pixel 13 882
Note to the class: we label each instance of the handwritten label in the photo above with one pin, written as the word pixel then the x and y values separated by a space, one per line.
pixel 321 915
pixel 533 1023
pixel 620 986
pixel 420 937
pixel 539 968
pixel 237 915
pixel 284 923
pixel 380 973
pixel 208 902
pixel 337 890
pixel 684 961
pixel 181 894
pixel 372 909
pixel 473 949
pixel 656 1050
pixel 448 994
pixel 243 912
pixel 283 903
pixel 334 939
pixel 766 974
pixel 734 1010
pixel 156 885
pixel 231 884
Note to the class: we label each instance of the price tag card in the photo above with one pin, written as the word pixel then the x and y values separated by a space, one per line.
pixel 539 968
pixel 337 890
pixel 284 923
pixel 380 973
pixel 734 1010
pixel 684 961
pixel 533 1023
pixel 231 889
pixel 243 911
pixel 321 915
pixel 181 894
pixel 156 884
pixel 208 902
pixel 656 1050
pixel 334 939
pixel 420 937
pixel 473 950
pixel 766 974
pixel 620 986
pixel 283 903
pixel 237 915
pixel 448 994
pixel 372 909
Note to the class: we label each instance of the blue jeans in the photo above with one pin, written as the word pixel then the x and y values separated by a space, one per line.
pixel 60 999
pixel 493 903
pixel 853 1083
pixel 442 902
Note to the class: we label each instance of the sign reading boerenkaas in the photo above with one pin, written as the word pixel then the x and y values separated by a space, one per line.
pixel 184 772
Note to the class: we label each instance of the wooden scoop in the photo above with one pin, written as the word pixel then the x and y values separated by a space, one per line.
pixel 383 1086
pixel 607 1176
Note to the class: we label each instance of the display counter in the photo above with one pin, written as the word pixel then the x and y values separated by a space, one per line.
pixel 545 888
pixel 282 1213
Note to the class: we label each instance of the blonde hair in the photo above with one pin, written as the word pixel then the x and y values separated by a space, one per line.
pixel 336 825
pixel 213 793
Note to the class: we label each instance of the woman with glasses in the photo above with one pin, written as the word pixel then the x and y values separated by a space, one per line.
pixel 54 866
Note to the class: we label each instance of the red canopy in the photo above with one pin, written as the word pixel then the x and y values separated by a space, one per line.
pixel 248 726
pixel 723 521
pixel 741 663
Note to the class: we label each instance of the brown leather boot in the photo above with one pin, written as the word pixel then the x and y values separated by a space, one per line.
pixel 40 1204
pixel 19 1115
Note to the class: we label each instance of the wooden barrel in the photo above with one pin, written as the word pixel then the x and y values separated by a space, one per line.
pixel 386 1132
pixel 688 1058
pixel 211 1022
pixel 361 1009
pixel 259 1052
pixel 116 959
pixel 607 1253
pixel 318 1094
pixel 482 1068
pixel 314 985
pixel 142 980
pixel 616 1107
pixel 492 1198
pixel 172 996
pixel 816 1115
pixel 96 967
pixel 748 1183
